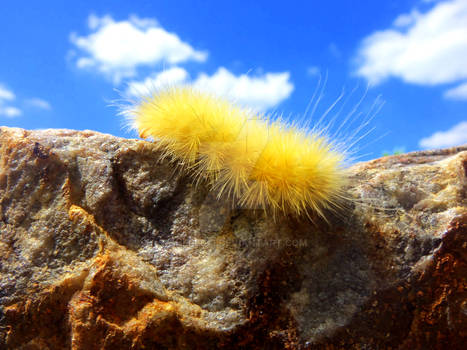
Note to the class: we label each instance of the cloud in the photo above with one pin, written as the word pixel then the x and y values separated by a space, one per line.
pixel 170 77
pixel 313 70
pixel 117 48
pixel 457 93
pixel 334 50
pixel 427 49
pixel 407 19
pixel 455 136
pixel 38 103
pixel 10 112
pixel 260 92
pixel 6 94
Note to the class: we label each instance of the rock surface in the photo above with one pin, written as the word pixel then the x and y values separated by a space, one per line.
pixel 104 246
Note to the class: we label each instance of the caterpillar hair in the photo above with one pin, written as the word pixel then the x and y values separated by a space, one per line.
pixel 255 160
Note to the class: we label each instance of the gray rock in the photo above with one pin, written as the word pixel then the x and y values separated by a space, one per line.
pixel 105 245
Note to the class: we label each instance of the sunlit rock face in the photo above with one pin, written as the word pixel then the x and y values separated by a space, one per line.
pixel 105 245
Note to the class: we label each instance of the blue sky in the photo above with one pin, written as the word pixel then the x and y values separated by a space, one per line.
pixel 63 63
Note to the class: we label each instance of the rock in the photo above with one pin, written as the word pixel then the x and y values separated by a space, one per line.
pixel 103 245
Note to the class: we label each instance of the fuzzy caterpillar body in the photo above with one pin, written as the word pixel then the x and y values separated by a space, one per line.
pixel 256 161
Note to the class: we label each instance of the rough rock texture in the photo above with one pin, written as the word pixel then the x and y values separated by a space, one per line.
pixel 103 246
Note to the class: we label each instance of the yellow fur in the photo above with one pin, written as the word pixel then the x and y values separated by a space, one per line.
pixel 257 162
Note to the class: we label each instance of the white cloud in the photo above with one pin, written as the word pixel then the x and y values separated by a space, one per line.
pixel 455 136
pixel 169 77
pixel 428 48
pixel 5 110
pixel 313 70
pixel 6 94
pixel 10 112
pixel 259 92
pixel 117 48
pixel 457 93
pixel 39 103
pixel 334 50
pixel 407 19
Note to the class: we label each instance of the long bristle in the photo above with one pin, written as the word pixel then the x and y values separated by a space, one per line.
pixel 258 162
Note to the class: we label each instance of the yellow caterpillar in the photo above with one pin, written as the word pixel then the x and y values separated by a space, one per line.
pixel 254 160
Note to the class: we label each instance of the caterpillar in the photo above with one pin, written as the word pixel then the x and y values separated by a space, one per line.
pixel 255 160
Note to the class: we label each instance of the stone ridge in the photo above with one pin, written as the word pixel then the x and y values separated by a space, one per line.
pixel 105 245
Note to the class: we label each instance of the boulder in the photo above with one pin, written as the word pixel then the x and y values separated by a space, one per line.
pixel 104 245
